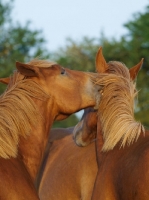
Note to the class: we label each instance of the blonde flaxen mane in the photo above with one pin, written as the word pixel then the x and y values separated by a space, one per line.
pixel 116 109
pixel 41 63
pixel 18 112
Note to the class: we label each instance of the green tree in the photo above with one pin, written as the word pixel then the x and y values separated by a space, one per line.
pixel 17 42
pixel 138 45
pixel 21 43
pixel 78 55
pixel 130 49
pixel 69 122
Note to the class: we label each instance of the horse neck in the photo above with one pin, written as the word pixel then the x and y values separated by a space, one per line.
pixel 31 149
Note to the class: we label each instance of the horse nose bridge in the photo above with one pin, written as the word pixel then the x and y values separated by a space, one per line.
pixel 94 77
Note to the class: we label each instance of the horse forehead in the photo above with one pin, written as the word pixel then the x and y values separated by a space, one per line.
pixel 52 67
pixel 50 70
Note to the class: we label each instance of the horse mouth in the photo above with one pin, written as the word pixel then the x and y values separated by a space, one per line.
pixel 98 96
pixel 77 138
pixel 79 143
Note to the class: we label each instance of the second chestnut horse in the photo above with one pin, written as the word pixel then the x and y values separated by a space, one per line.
pixel 122 146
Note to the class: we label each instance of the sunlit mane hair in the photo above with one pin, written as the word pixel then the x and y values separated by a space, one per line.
pixel 41 63
pixel 116 109
pixel 18 112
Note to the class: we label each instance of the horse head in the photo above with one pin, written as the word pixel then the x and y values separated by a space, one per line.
pixel 86 130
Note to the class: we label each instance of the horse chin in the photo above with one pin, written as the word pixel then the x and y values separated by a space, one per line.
pixel 61 117
pixel 77 137
pixel 80 143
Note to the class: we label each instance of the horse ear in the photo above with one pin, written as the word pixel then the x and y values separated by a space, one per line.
pixel 101 65
pixel 27 70
pixel 5 80
pixel 134 70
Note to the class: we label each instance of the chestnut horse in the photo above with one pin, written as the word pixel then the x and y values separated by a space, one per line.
pixel 37 94
pixel 69 172
pixel 122 146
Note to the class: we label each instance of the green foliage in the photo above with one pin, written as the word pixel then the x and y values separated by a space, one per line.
pixel 69 122
pixel 78 55
pixel 17 42
pixel 21 43
pixel 137 45
pixel 5 10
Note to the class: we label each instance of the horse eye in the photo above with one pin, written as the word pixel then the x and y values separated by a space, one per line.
pixel 63 72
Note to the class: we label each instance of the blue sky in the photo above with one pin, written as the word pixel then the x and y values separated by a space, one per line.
pixel 59 19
